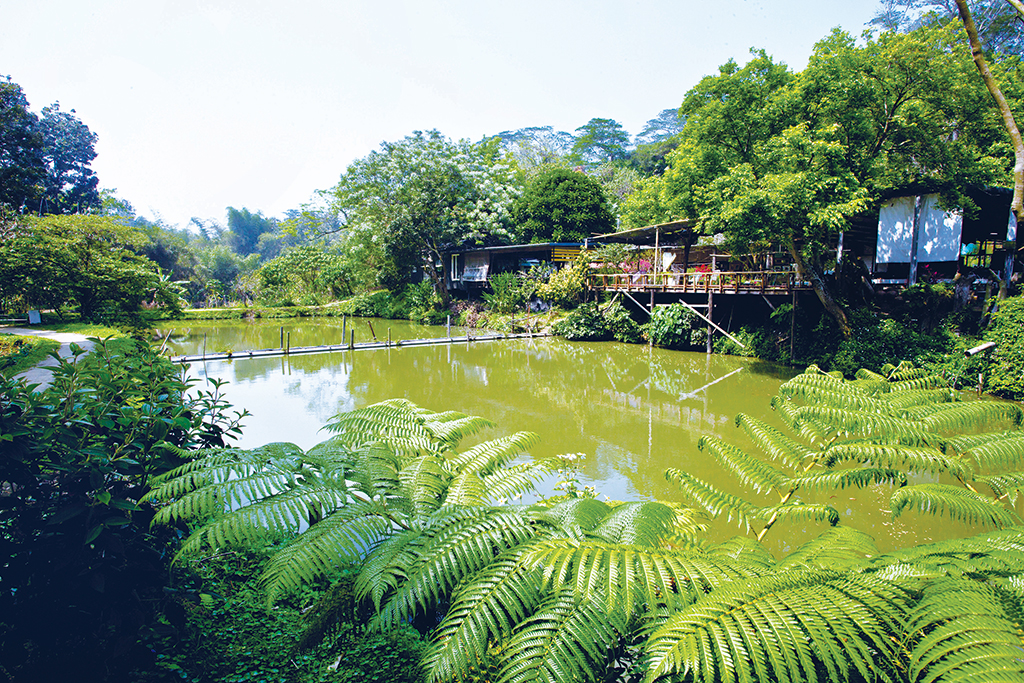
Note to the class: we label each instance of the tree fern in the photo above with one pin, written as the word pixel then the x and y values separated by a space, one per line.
pixel 958 503
pixel 962 630
pixel 787 626
pixel 840 547
pixel 992 451
pixel 1007 484
pixel 774 443
pixel 752 471
pixel 916 459
pixel 840 479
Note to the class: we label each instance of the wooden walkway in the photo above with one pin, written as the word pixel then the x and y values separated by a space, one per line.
pixel 749 282
pixel 273 353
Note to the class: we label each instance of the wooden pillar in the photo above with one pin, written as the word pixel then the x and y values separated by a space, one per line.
pixel 711 309
pixel 792 327
pixel 912 278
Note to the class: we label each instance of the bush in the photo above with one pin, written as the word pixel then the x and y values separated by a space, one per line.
pixel 79 566
pixel 215 626
pixel 583 324
pixel 621 324
pixel 1005 376
pixel 676 327
pixel 378 304
pixel 567 286
pixel 877 341
pixel 509 292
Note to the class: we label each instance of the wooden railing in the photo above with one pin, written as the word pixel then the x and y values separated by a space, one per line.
pixel 750 282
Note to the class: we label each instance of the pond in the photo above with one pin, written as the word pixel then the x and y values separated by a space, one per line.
pixel 634 411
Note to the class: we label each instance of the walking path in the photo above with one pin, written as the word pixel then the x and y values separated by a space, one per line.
pixel 41 374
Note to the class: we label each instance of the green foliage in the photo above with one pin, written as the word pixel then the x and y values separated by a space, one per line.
pixel 305 275
pixel 585 323
pixel 876 341
pixel 509 292
pixel 378 304
pixel 75 459
pixel 215 626
pixel 676 327
pixel 561 205
pixel 88 261
pixel 567 286
pixel 1005 376
pixel 18 354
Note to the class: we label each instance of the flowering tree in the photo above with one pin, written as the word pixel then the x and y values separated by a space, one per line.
pixel 414 199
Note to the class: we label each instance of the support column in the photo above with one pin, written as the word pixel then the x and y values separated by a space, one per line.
pixel 912 279
pixel 711 310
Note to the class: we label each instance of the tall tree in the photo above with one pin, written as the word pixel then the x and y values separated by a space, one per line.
pixel 70 185
pixel 245 229
pixel 999 27
pixel 561 205
pixel 600 141
pixel 21 149
pixel 418 197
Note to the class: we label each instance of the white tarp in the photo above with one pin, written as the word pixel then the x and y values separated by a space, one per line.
pixel 476 268
pixel 1011 228
pixel 938 237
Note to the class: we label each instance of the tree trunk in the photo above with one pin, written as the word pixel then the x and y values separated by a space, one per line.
pixel 1009 123
pixel 809 272
pixel 438 279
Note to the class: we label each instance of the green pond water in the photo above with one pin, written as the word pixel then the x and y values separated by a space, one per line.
pixel 632 410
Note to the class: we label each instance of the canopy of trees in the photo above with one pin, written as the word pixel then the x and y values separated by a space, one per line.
pixel 560 205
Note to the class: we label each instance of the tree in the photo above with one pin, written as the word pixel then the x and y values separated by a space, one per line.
pixel 418 197
pixel 68 149
pixel 600 141
pixel 578 589
pixel 245 229
pixel 21 149
pixel 998 24
pixel 561 205
pixel 655 141
pixel 536 148
pixel 91 261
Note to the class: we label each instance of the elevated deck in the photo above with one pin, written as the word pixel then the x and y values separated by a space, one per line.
pixel 740 282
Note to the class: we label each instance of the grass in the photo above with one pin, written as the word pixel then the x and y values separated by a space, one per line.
pixel 18 354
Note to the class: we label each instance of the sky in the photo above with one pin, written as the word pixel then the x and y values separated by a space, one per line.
pixel 200 105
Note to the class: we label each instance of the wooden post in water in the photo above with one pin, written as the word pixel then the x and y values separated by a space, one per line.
pixel 372 333
pixel 449 326
pixel 711 304
pixel 281 346
pixel 344 324
pixel 389 336
pixel 352 344
pixel 288 347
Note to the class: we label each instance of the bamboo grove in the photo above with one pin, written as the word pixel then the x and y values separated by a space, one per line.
pixel 578 589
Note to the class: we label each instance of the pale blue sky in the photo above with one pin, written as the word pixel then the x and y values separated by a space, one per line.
pixel 202 105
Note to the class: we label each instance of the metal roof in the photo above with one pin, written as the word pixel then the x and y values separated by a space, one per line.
pixel 646 233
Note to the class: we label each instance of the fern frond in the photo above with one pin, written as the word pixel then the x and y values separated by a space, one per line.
pixel 961 631
pixel 346 536
pixel 875 425
pixel 840 547
pixel 870 375
pixel 920 383
pixel 817 512
pixel 509 482
pixel 840 479
pixel 457 543
pixel 566 639
pixel 806 427
pixel 283 512
pixel 574 517
pixel 971 416
pixel 903 372
pixel 397 422
pixel 995 552
pixel 992 451
pixel 891 457
pixel 454 427
pixel 1009 484
pixel 484 610
pixel 774 443
pixel 959 503
pixel 819 389
pixel 789 626
pixel 638 523
pixel 743 550
pixel 912 398
pixel 713 500
pixel 485 458
pixel 752 471
pixel 424 481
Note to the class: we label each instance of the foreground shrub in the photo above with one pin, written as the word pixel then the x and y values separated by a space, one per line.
pixel 677 327
pixel 585 323
pixel 1005 376
pixel 79 566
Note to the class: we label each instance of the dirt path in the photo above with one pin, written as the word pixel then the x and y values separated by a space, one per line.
pixel 41 374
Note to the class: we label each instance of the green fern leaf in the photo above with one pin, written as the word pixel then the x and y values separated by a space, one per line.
pixel 961 631
pixel 774 443
pixel 566 639
pixel 743 550
pixel 860 477
pixel 424 482
pixel 789 626
pixel 485 458
pixel 874 425
pixel 992 450
pixel 806 427
pixel 971 416
pixel 512 482
pixel 752 471
pixel 575 517
pixel 959 503
pixel 1009 484
pixel 891 457
pixel 639 523
pixel 840 547
pixel 713 500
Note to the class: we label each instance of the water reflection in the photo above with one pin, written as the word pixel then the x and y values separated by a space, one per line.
pixel 633 410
